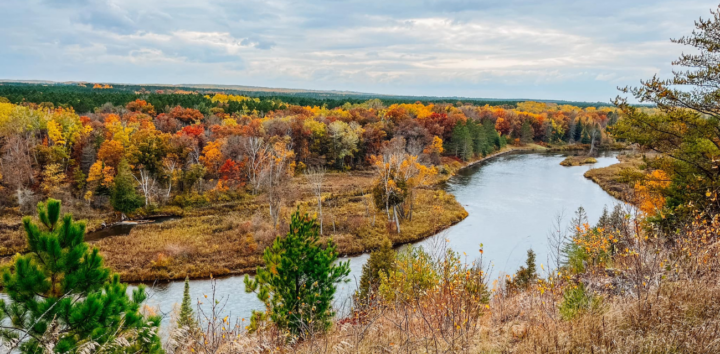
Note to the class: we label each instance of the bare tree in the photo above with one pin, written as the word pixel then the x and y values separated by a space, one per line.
pixel 194 155
pixel 595 135
pixel 316 177
pixel 171 168
pixel 17 164
pixel 558 239
pixel 274 177
pixel 256 151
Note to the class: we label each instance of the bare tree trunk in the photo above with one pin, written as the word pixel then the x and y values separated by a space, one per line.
pixel 397 221
pixel 320 214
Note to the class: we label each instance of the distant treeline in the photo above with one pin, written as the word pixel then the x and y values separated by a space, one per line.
pixel 84 99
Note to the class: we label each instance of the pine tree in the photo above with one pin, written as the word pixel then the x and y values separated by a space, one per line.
pixel 525 275
pixel 472 128
pixel 298 281
pixel 604 221
pixel 187 317
pixel 62 298
pixel 492 134
pixel 577 135
pixel 125 198
pixel 462 144
pixel 585 137
pixel 526 133
pixel 481 145
pixel 381 260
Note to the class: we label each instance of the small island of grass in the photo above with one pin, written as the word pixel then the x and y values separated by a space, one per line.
pixel 578 161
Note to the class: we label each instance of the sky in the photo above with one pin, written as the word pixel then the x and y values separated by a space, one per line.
pixel 551 49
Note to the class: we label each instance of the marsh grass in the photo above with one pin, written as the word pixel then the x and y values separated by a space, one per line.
pixel 228 238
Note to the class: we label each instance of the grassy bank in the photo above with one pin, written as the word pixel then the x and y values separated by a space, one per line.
pixel 616 179
pixel 230 239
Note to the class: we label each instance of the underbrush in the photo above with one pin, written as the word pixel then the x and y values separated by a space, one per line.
pixel 634 293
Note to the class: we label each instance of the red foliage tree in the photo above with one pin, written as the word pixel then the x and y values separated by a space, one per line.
pixel 186 115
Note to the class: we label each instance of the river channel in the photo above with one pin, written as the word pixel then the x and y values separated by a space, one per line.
pixel 512 201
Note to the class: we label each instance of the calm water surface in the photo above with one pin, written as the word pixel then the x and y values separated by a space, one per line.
pixel 511 200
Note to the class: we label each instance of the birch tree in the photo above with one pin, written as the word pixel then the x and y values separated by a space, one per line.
pixel 147 184
pixel 256 151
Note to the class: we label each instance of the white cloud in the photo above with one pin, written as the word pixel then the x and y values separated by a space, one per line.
pixel 517 48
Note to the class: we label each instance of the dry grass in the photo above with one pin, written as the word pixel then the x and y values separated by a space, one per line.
pixel 230 238
pixel 12 235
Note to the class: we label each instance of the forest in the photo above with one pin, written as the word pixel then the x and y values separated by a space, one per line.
pixel 170 148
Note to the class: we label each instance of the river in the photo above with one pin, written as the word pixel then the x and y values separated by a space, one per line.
pixel 512 201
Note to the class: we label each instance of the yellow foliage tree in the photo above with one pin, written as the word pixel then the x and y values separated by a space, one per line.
pixel 212 156
pixel 53 179
pixel 648 193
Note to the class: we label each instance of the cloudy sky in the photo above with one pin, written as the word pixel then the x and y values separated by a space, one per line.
pixel 549 49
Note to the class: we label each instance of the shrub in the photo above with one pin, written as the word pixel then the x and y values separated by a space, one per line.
pixel 414 274
pixel 382 261
pixel 576 301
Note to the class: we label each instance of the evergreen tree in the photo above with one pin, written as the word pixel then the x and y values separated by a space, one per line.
pixel 577 135
pixel 526 275
pixel 492 134
pixel 381 260
pixel 585 137
pixel 62 299
pixel 187 317
pixel 526 133
pixel 298 281
pixel 473 129
pixel 462 143
pixel 125 198
pixel 502 140
pixel 480 141
pixel 604 221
